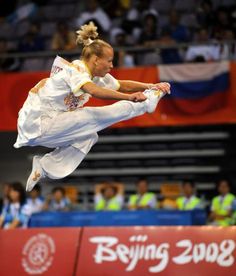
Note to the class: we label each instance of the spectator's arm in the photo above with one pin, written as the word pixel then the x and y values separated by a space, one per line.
pixel 1 221
pixel 14 224
pixel 119 187
pixel 99 187
pixel 45 206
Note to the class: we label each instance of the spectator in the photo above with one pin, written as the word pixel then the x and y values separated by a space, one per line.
pixel 222 21
pixel 63 39
pixel 170 54
pixel 35 202
pixel 132 23
pixel 7 63
pixel 13 214
pixel 4 201
pixel 143 199
pixel 203 52
pixel 121 58
pixel 72 193
pixel 57 201
pixel 168 195
pixel 205 14
pixel 221 206
pixel 94 13
pixel 227 50
pixel 149 32
pixel 109 197
pixel 32 41
pixel 115 8
pixel 189 201
pixel 178 32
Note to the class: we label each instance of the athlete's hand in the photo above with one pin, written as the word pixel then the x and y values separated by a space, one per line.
pixel 163 86
pixel 137 97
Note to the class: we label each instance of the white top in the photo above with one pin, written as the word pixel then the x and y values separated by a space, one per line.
pixel 33 206
pixel 207 51
pixel 99 15
pixel 59 93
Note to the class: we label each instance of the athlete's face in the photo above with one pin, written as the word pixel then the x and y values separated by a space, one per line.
pixel 103 65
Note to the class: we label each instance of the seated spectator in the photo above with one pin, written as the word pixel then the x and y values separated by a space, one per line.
pixel 35 201
pixel 143 199
pixel 170 54
pixel 227 50
pixel 94 13
pixel 132 23
pixel 63 39
pixel 149 32
pixel 221 206
pixel 7 64
pixel 189 201
pixel 202 53
pixel 109 197
pixel 32 41
pixel 177 31
pixel 57 201
pixel 72 193
pixel 234 212
pixel 13 214
pixel 4 201
pixel 168 195
pixel 205 14
pixel 121 58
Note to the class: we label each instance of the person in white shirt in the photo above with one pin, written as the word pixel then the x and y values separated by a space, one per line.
pixel 35 202
pixel 14 214
pixel 202 52
pixel 53 114
pixel 96 13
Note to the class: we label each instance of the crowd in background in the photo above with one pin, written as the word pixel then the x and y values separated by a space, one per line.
pixel 123 24
pixel 17 207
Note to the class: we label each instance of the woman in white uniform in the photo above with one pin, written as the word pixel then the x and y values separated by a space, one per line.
pixel 53 114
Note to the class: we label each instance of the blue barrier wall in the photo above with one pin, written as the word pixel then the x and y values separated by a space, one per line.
pixel 121 218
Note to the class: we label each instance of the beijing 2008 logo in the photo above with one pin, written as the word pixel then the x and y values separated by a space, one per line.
pixel 38 254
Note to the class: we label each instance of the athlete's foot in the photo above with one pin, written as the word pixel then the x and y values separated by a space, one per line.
pixel 153 97
pixel 36 174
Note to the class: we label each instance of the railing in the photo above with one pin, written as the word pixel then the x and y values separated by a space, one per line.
pixel 135 50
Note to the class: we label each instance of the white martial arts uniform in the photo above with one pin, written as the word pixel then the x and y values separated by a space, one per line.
pixel 53 116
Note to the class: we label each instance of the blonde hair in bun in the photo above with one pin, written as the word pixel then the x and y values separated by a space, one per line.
pixel 87 36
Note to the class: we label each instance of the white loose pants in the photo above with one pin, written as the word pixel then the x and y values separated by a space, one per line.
pixel 74 133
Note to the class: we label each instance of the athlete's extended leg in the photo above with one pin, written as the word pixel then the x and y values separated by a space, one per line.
pixel 81 123
pixel 60 162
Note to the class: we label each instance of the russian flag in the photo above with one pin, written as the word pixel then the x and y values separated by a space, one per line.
pixel 196 89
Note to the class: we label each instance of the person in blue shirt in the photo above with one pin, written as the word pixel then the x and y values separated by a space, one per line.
pixel 13 215
pixel 57 201
pixel 35 201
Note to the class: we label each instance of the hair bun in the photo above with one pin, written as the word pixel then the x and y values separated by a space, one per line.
pixel 86 34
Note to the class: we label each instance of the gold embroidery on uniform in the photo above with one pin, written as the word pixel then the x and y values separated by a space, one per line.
pixel 39 85
pixel 36 176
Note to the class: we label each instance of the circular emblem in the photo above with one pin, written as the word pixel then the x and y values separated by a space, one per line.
pixel 38 254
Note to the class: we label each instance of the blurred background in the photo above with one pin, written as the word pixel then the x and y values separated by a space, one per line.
pixel 180 158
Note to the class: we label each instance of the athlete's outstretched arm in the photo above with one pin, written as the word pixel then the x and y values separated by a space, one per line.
pixel 133 86
pixel 104 93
